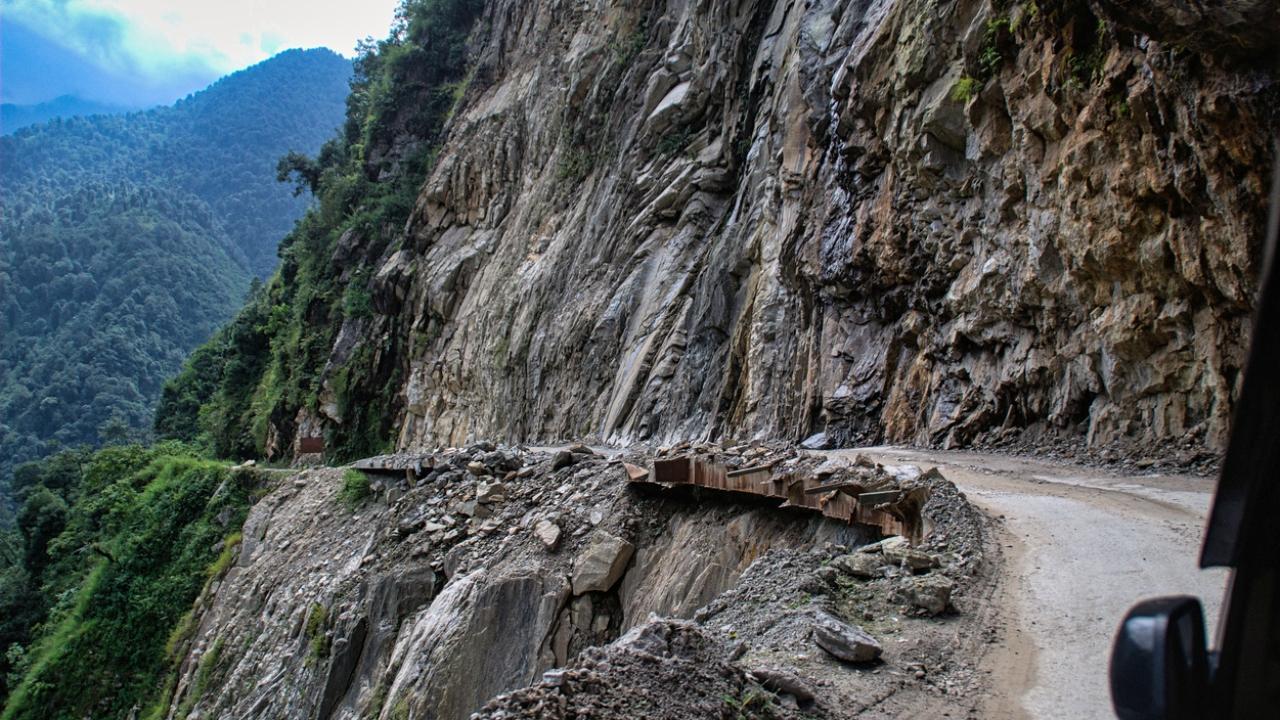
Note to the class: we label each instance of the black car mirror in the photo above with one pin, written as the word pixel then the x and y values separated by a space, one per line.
pixel 1159 664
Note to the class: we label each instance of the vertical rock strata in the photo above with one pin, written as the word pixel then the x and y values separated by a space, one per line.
pixel 933 222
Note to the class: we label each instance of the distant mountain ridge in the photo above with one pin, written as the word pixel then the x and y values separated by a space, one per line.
pixel 221 144
pixel 126 239
pixel 14 117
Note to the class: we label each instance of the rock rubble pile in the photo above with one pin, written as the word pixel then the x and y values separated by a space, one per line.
pixel 473 572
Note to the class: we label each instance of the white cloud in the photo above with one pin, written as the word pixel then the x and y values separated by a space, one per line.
pixel 155 37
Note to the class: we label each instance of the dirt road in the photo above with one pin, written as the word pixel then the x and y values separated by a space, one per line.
pixel 1081 545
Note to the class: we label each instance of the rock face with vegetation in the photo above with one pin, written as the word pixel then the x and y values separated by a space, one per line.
pixel 934 222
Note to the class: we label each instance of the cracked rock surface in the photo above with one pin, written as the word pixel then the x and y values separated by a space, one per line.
pixel 945 223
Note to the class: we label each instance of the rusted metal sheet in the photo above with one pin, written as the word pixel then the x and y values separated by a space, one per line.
pixel 852 488
pixel 871 499
pixel 672 471
pixel 893 512
pixel 411 466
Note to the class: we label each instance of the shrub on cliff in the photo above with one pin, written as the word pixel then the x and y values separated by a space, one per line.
pixel 134 544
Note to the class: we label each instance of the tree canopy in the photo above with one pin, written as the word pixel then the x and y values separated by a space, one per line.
pixel 126 240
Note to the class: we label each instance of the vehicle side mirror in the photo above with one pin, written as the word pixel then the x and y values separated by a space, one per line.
pixel 1159 663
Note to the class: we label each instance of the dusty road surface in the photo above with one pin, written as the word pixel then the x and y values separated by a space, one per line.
pixel 1081 545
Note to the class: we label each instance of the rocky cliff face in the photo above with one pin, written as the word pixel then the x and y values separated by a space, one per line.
pixel 909 220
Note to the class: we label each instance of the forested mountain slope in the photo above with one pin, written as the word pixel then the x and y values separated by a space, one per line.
pixel 126 240
pixel 14 117
pixel 111 547
pixel 220 145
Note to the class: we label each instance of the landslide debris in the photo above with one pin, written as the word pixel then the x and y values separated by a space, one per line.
pixel 444 591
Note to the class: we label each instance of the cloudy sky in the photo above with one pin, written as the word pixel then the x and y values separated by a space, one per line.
pixel 144 52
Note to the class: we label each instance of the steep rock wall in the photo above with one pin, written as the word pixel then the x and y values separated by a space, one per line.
pixel 933 222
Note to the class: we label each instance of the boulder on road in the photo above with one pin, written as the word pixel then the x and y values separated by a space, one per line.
pixel 899 552
pixel 860 565
pixel 843 641
pixel 817 441
pixel 931 593
pixel 562 459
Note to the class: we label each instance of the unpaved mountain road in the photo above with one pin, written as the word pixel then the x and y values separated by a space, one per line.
pixel 1080 545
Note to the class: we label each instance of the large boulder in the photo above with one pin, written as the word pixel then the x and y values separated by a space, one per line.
pixel 899 552
pixel 600 565
pixel 843 641
pixel 930 593
pixel 864 566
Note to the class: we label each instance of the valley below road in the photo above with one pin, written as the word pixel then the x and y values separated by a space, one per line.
pixel 1079 546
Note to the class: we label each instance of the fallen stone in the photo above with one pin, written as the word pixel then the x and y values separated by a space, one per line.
pixel 860 565
pixel 844 641
pixel 502 461
pixel 830 467
pixel 899 552
pixel 477 468
pixel 562 459
pixel 635 472
pixel 409 526
pixel 817 441
pixel 490 492
pixel 662 638
pixel 580 449
pixel 471 508
pixel 601 564
pixel 931 593
pixel 780 681
pixel 548 533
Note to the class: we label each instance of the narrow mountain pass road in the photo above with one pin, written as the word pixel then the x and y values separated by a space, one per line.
pixel 1080 546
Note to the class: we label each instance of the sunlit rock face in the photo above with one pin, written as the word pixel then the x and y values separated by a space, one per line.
pixel 928 222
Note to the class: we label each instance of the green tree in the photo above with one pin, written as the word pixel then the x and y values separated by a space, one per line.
pixel 42 518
